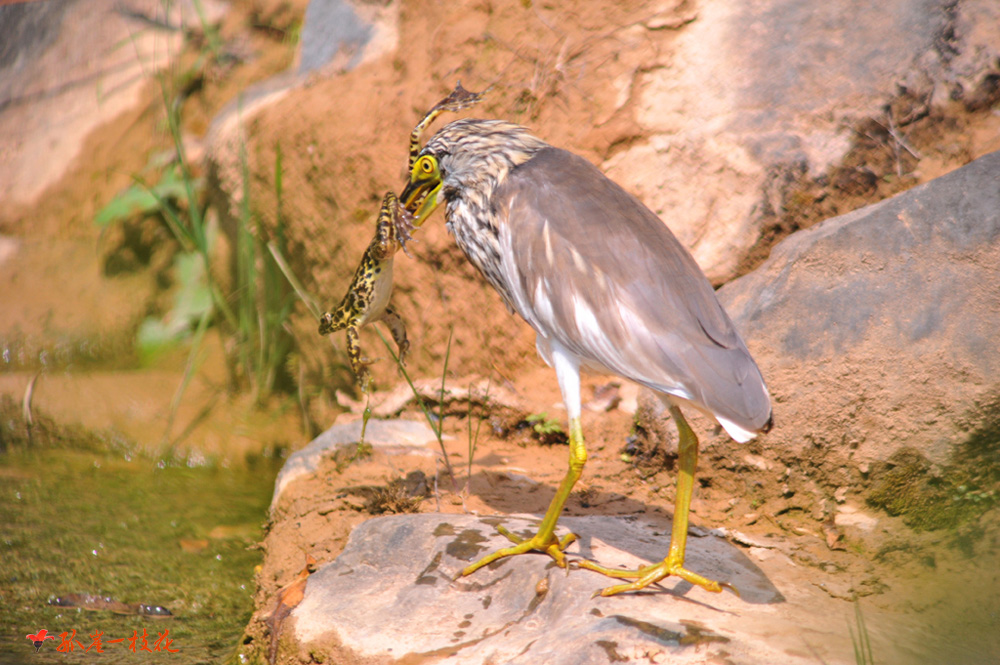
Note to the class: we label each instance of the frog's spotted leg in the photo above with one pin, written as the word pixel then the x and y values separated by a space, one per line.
pixel 398 331
pixel 359 363
pixel 458 100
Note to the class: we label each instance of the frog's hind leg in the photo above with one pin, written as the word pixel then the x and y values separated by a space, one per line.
pixel 398 331
pixel 359 364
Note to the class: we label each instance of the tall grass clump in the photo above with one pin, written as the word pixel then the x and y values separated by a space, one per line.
pixel 252 313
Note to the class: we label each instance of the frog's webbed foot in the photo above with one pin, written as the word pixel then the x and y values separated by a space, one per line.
pixel 326 324
pixel 360 368
pixel 393 229
pixel 363 376
pixel 458 100
pixel 402 221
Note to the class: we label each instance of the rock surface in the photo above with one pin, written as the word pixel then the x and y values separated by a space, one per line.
pixel 68 66
pixel 877 330
pixel 389 597
pixel 342 34
pixel 758 92
pixel 385 436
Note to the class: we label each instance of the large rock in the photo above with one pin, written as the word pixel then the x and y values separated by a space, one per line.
pixel 757 92
pixel 390 598
pixel 68 66
pixel 342 34
pixel 877 330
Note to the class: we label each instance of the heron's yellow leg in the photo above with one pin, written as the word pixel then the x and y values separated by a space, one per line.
pixel 545 540
pixel 673 564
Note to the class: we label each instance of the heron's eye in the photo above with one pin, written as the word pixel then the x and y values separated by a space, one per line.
pixel 426 165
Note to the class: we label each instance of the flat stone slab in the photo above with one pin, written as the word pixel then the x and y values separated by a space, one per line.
pixel 386 436
pixel 390 597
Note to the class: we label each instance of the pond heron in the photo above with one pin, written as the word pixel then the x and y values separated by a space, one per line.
pixel 606 287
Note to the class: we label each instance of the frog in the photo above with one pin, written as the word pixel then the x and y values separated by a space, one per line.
pixel 367 299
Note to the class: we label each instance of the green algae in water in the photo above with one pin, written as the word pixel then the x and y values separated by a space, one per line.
pixel 112 524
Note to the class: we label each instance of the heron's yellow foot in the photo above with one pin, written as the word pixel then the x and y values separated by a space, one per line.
pixel 550 545
pixel 651 575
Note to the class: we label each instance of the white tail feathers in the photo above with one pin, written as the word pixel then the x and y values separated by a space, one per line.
pixel 738 433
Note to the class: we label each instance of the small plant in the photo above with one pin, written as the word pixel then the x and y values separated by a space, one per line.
pixel 344 457
pixel 435 423
pixel 964 493
pixel 144 199
pixel 212 39
pixel 474 438
pixel 192 298
pixel 548 430
pixel 392 499
pixel 543 425
pixel 264 301
pixel 444 374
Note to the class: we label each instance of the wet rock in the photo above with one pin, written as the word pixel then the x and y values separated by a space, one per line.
pixel 385 436
pixel 876 329
pixel 375 601
pixel 757 95
pixel 95 603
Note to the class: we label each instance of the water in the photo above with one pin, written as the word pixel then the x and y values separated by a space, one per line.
pixel 117 524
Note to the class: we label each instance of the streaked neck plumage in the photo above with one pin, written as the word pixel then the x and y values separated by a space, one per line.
pixel 475 157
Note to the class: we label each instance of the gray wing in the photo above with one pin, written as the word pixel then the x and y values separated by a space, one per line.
pixel 593 268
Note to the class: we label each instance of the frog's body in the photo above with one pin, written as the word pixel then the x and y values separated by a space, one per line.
pixel 367 300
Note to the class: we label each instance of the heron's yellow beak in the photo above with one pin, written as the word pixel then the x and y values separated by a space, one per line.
pixel 420 197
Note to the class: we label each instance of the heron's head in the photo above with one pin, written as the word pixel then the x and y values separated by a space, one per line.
pixel 467 159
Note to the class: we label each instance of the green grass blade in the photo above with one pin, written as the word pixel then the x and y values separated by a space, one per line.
pixel 300 290
pixel 421 404
pixel 444 372
pixel 861 642
pixel 170 216
pixel 189 370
